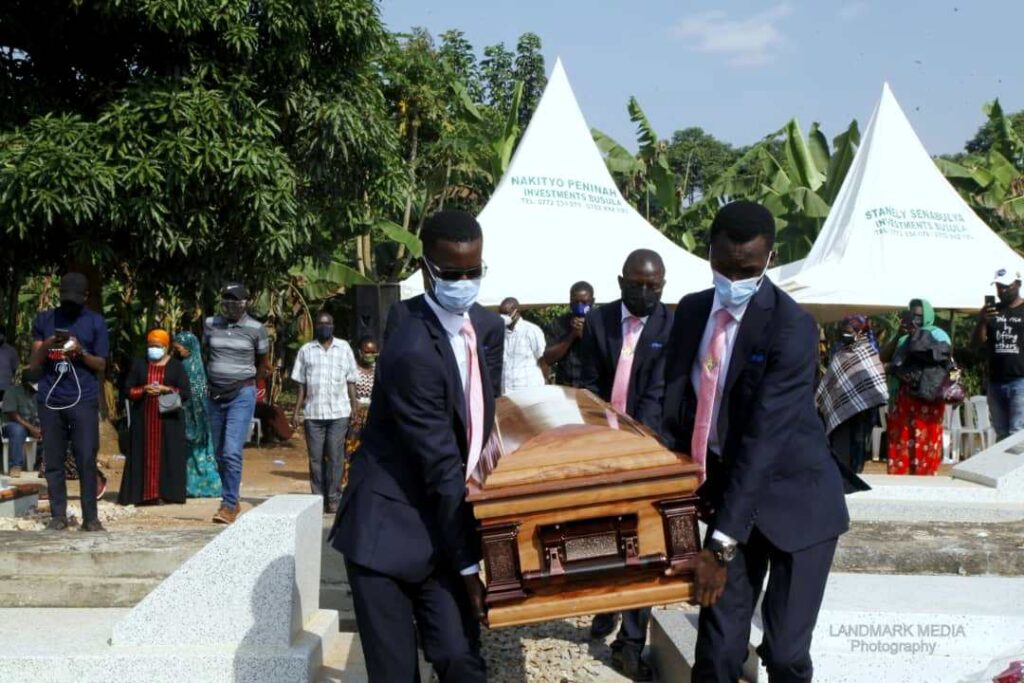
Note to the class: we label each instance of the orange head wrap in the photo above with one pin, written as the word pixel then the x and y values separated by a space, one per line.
pixel 159 337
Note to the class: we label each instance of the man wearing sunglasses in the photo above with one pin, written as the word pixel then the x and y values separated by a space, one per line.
pixel 407 534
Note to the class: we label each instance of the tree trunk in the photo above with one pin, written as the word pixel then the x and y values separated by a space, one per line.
pixel 414 142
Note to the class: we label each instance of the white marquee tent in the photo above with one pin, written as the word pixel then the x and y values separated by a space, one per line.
pixel 557 217
pixel 897 231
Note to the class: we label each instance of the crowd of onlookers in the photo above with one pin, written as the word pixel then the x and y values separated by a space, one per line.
pixel 191 401
pixel 190 405
pixel 915 379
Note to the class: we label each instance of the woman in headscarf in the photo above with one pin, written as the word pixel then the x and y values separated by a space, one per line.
pixel 851 391
pixel 202 477
pixel 919 352
pixel 158 387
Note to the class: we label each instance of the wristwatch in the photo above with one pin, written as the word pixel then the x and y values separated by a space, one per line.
pixel 723 552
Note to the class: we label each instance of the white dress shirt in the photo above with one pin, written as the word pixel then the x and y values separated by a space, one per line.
pixel 731 330
pixel 625 328
pixel 452 324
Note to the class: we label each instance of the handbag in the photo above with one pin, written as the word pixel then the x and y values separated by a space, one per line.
pixel 169 403
pixel 952 391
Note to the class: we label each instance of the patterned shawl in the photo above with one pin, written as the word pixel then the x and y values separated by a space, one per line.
pixel 855 382
pixel 196 427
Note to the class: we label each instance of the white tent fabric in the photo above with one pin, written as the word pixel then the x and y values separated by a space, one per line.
pixel 897 231
pixel 557 217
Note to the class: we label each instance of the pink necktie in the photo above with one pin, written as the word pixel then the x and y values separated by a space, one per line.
pixel 474 400
pixel 710 369
pixel 620 387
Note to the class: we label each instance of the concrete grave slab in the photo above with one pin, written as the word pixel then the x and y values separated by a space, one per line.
pixel 242 609
pixel 1000 466
pixel 886 628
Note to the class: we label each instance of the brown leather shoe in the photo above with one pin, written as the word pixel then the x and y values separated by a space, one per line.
pixel 226 514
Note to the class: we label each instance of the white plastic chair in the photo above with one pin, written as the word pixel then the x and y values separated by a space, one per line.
pixel 256 426
pixel 976 427
pixel 952 432
pixel 29 453
pixel 876 436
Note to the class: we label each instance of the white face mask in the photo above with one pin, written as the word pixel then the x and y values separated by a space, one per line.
pixel 735 293
pixel 507 318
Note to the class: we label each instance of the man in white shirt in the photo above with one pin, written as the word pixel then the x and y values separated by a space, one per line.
pixel 739 398
pixel 326 373
pixel 524 347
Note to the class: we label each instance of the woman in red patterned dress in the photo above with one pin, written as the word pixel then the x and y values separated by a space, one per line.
pixel 915 425
pixel 154 470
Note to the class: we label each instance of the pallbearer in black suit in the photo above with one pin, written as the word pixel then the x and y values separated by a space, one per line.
pixel 624 363
pixel 408 536
pixel 739 397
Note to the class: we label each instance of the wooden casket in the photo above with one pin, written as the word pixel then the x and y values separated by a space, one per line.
pixel 581 512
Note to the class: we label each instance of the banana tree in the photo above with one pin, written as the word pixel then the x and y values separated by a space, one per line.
pixel 795 177
pixel 993 182
pixel 647 179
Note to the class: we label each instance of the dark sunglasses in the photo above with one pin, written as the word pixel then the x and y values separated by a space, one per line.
pixel 451 274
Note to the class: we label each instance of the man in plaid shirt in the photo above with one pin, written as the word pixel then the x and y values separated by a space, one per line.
pixel 326 373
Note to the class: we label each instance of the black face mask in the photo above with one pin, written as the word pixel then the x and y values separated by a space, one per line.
pixel 324 332
pixel 847 338
pixel 232 309
pixel 639 300
pixel 71 308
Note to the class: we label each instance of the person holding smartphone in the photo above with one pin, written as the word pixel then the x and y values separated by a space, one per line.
pixel 69 353
pixel 1000 331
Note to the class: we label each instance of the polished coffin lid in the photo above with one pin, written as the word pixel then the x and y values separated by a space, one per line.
pixel 555 438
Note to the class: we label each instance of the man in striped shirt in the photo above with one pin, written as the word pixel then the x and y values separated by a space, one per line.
pixel 326 373
pixel 237 354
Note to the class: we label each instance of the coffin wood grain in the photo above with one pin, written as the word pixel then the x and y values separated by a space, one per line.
pixel 594 599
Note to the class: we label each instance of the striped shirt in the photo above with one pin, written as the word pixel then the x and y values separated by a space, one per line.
pixel 233 348
pixel 326 374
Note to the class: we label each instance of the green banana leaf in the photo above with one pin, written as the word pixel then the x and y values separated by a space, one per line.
pixel 801 163
pixel 844 149
pixel 817 143
pixel 396 233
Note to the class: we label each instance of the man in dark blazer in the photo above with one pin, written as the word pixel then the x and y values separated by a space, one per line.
pixel 739 397
pixel 624 363
pixel 408 536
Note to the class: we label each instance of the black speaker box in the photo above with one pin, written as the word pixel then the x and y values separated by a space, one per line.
pixel 372 305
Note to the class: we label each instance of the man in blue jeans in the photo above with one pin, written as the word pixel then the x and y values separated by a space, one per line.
pixel 237 353
pixel 21 421
pixel 1001 332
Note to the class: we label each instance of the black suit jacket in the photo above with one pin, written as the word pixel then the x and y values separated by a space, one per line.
pixel 403 512
pixel 776 471
pixel 400 310
pixel 602 345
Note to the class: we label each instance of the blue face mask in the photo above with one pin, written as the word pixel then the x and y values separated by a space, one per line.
pixel 735 293
pixel 579 309
pixel 456 296
pixel 155 353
